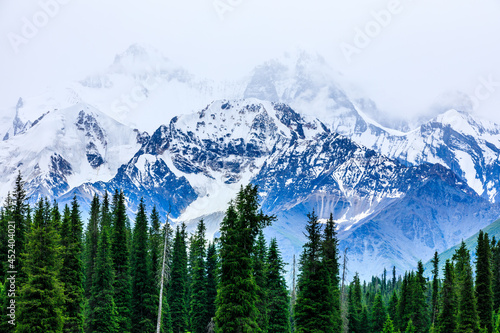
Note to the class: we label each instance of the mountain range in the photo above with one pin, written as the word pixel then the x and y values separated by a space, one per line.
pixel 397 194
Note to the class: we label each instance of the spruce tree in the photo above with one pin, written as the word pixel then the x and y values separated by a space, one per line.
pixel 355 305
pixel 211 281
pixel 19 210
pixel 259 268
pixel 313 310
pixel 277 294
pixel 447 315
pixel 178 281
pixel 388 325
pixel 379 315
pixel 237 291
pixel 72 270
pixel 403 313
pixel 41 299
pixel 91 243
pixel 468 319
pixel 156 260
pixel 392 308
pixel 435 287
pixel 103 315
pixel 198 302
pixel 418 307
pixel 484 291
pixel 142 281
pixel 121 262
pixel 331 261
pixel 496 274
pixel 410 328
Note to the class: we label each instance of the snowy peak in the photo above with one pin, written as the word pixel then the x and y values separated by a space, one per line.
pixel 465 123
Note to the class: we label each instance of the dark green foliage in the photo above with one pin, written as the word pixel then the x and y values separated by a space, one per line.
pixel 211 281
pixel 355 305
pixel 449 307
pixel 156 261
pixel 331 261
pixel 496 274
pixel 91 243
pixel 178 280
pixel 19 210
pixel 418 308
pixel 259 269
pixel 315 300
pixel 468 319
pixel 41 298
pixel 277 294
pixel 410 328
pixel 392 308
pixel 72 270
pixel 484 290
pixel 379 315
pixel 103 315
pixel 237 291
pixel 142 277
pixel 435 287
pixel 121 264
pixel 198 301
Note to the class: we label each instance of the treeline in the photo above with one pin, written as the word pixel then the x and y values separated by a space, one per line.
pixel 111 277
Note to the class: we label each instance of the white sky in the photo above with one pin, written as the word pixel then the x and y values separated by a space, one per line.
pixel 428 48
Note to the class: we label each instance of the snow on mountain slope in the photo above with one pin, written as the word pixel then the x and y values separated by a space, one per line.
pixel 65 148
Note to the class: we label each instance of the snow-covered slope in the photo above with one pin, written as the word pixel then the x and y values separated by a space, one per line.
pixel 66 148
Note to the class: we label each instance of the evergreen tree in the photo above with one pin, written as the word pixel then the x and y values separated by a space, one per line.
pixel 484 291
pixel 404 304
pixel 72 270
pixel 331 261
pixel 392 308
pixel 418 306
pixel 121 262
pixel 91 243
pixel 178 281
pixel 211 281
pixel 496 274
pixel 388 326
pixel 237 291
pixel 278 300
pixel 103 315
pixel 41 297
pixel 355 305
pixel 435 287
pixel 447 315
pixel 468 319
pixel 379 315
pixel 313 310
pixel 410 328
pixel 259 269
pixel 106 216
pixel 156 260
pixel 19 210
pixel 198 304
pixel 142 279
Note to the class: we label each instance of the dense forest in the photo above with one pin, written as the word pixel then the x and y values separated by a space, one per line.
pixel 117 275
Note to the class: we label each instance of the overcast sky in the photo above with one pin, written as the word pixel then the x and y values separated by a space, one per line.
pixel 417 51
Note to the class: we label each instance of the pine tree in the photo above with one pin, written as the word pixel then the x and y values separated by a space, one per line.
pixel 388 325
pixel 404 304
pixel 468 319
pixel 19 210
pixel 198 302
pixel 418 306
pixel 178 281
pixel 447 315
pixel 237 291
pixel 379 315
pixel 91 243
pixel 211 281
pixel 355 305
pixel 496 274
pixel 410 328
pixel 155 245
pixel 392 308
pixel 259 268
pixel 435 287
pixel 103 315
pixel 41 297
pixel 484 291
pixel 313 310
pixel 331 261
pixel 142 279
pixel 278 300
pixel 72 270
pixel 121 264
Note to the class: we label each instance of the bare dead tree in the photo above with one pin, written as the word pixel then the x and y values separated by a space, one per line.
pixel 344 302
pixel 165 271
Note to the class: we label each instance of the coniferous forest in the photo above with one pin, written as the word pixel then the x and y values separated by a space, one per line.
pixel 111 274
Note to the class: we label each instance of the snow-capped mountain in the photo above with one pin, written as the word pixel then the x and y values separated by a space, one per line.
pixel 64 148
pixel 195 165
pixel 288 127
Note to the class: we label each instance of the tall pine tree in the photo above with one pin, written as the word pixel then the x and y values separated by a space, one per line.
pixel 277 294
pixel 178 280
pixel 198 301
pixel 484 290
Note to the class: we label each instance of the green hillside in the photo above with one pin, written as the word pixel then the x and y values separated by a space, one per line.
pixel 493 230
